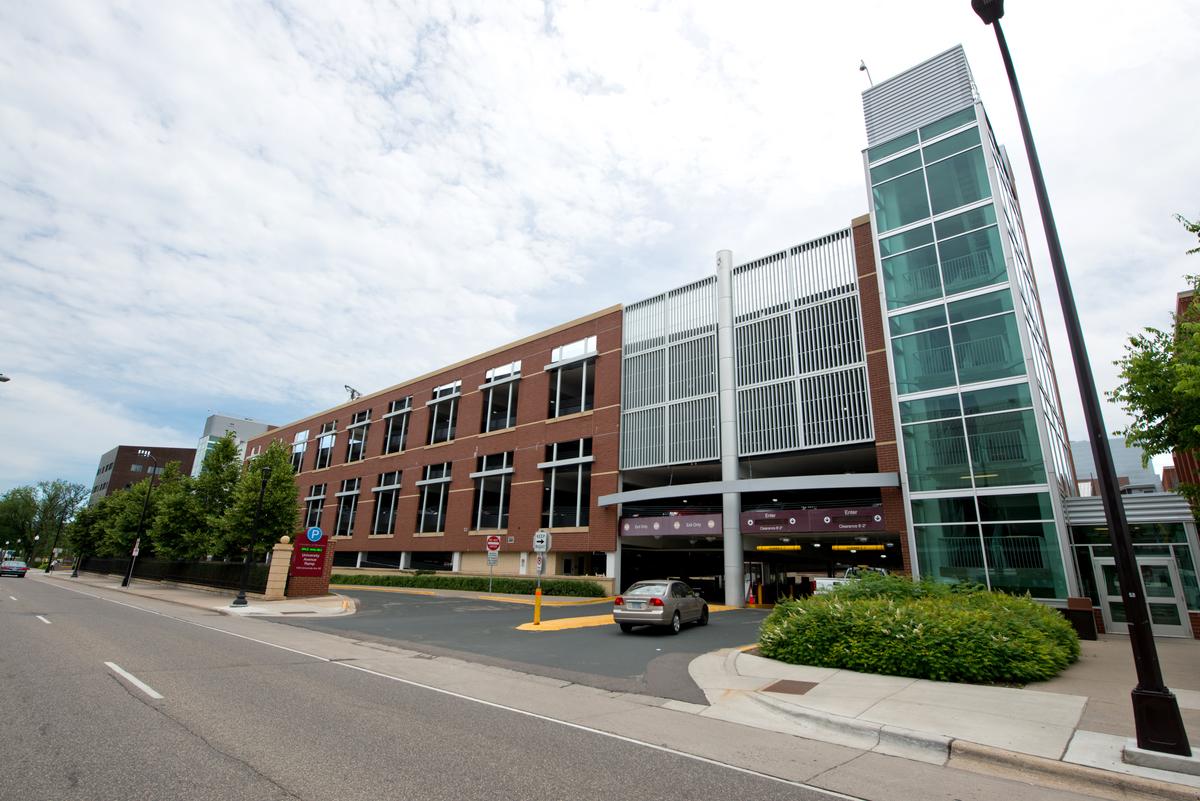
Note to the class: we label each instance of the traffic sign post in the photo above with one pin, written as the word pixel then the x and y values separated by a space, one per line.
pixel 541 546
pixel 493 555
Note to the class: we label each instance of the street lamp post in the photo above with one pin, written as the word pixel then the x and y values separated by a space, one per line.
pixel 1156 715
pixel 240 600
pixel 145 454
pixel 32 549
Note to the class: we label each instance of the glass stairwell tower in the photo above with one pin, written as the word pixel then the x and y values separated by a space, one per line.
pixel 984 455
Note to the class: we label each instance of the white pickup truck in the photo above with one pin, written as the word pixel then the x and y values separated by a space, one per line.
pixel 823 584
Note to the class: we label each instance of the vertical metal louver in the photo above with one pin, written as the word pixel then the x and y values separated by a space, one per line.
pixel 669 413
pixel 799 360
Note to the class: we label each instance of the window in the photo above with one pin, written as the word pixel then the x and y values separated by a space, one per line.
pixel 136 468
pixel 325 445
pixel 397 425
pixel 567 486
pixel 357 441
pixel 500 397
pixel 299 446
pixel 387 494
pixel 493 481
pixel 435 490
pixel 443 412
pixel 572 377
pixel 347 507
pixel 315 502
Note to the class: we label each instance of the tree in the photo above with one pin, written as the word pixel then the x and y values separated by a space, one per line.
pixel 85 532
pixel 58 503
pixel 180 528
pixel 18 520
pixel 1160 384
pixel 219 475
pixel 280 508
pixel 122 512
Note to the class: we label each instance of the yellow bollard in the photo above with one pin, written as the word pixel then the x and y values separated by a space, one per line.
pixel 537 607
pixel 760 594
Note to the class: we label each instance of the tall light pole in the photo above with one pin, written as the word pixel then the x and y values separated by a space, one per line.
pixel 4 378
pixel 240 600
pixel 1156 715
pixel 145 454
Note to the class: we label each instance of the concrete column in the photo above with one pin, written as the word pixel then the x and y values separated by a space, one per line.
pixel 358 559
pixel 456 562
pixel 406 560
pixel 281 557
pixel 524 568
pixel 731 506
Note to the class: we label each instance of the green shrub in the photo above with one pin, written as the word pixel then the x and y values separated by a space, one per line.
pixel 922 630
pixel 517 586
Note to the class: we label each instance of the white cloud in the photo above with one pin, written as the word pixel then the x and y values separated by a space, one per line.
pixel 253 205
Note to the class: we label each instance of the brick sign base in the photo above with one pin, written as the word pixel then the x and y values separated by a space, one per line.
pixel 307 586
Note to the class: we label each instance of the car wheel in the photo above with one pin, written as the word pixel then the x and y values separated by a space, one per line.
pixel 704 616
pixel 676 623
pixel 626 627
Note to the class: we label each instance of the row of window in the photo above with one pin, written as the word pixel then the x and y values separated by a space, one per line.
pixel 565 498
pixel 572 390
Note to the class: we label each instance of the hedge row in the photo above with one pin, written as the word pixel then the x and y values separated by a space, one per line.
pixel 516 586
pixel 923 631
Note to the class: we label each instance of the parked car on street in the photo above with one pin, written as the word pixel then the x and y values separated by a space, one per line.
pixel 13 567
pixel 659 603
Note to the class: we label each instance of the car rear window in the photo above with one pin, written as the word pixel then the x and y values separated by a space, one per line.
pixel 650 590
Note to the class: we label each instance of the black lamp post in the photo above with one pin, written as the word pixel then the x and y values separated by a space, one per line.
pixel 1156 715
pixel 145 454
pixel 240 600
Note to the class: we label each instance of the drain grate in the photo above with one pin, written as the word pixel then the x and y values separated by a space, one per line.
pixel 790 687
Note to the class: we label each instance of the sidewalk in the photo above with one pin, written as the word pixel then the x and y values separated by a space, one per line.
pixel 1068 730
pixel 210 599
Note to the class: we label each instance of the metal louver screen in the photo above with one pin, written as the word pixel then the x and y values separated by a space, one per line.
pixel 767 418
pixel 645 379
pixel 694 427
pixel 927 92
pixel 643 440
pixel 833 408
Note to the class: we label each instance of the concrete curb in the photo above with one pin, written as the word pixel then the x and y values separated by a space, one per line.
pixel 891 740
pixel 987 759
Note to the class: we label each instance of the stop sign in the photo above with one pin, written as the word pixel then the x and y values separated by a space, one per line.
pixel 493 542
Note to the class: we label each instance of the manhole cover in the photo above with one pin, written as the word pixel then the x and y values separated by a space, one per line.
pixel 790 687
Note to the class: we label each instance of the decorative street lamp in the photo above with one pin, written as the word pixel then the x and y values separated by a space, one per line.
pixel 4 378
pixel 240 600
pixel 1156 715
pixel 145 454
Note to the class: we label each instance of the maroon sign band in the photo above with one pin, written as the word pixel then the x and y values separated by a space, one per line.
pixel 774 521
pixel 672 525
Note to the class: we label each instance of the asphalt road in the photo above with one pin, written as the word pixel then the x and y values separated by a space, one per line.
pixel 647 660
pixel 240 719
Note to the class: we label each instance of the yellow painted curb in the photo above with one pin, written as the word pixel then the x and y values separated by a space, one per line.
pixel 559 624
pixel 403 590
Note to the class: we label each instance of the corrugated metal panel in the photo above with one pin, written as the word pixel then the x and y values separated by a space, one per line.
pixel 1159 507
pixel 929 91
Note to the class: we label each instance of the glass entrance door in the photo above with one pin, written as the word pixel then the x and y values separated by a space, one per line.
pixel 1164 596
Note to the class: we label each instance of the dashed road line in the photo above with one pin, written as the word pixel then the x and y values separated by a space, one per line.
pixel 134 680
pixel 43 619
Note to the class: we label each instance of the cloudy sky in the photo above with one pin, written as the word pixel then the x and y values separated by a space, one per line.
pixel 241 206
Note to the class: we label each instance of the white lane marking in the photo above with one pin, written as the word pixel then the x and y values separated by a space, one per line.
pixel 39 617
pixel 134 680
pixel 13 597
pixel 493 704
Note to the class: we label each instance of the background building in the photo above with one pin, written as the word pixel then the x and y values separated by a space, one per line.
pixel 1132 476
pixel 122 467
pixel 216 426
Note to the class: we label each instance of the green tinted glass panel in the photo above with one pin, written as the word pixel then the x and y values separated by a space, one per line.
pixel 1157 532
pixel 972 261
pixel 948 123
pixel 1187 576
pixel 957 181
pixel 1087 579
pixel 950 554
pixel 987 349
pixel 967 221
pixel 895 146
pixel 923 361
pixel 936 455
pixel 944 510
pixel 916 411
pixel 997 399
pixel 1005 450
pixel 981 306
pixel 917 321
pixel 895 167
pixel 912 277
pixel 1026 506
pixel 905 241
pixel 900 201
pixel 1089 534
pixel 1024 558
pixel 951 145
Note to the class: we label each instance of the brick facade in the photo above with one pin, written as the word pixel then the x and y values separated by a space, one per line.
pixel 527 440
pixel 116 470
pixel 887 454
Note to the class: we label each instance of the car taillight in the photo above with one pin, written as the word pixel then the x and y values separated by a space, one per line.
pixel 618 601
pixel 656 602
